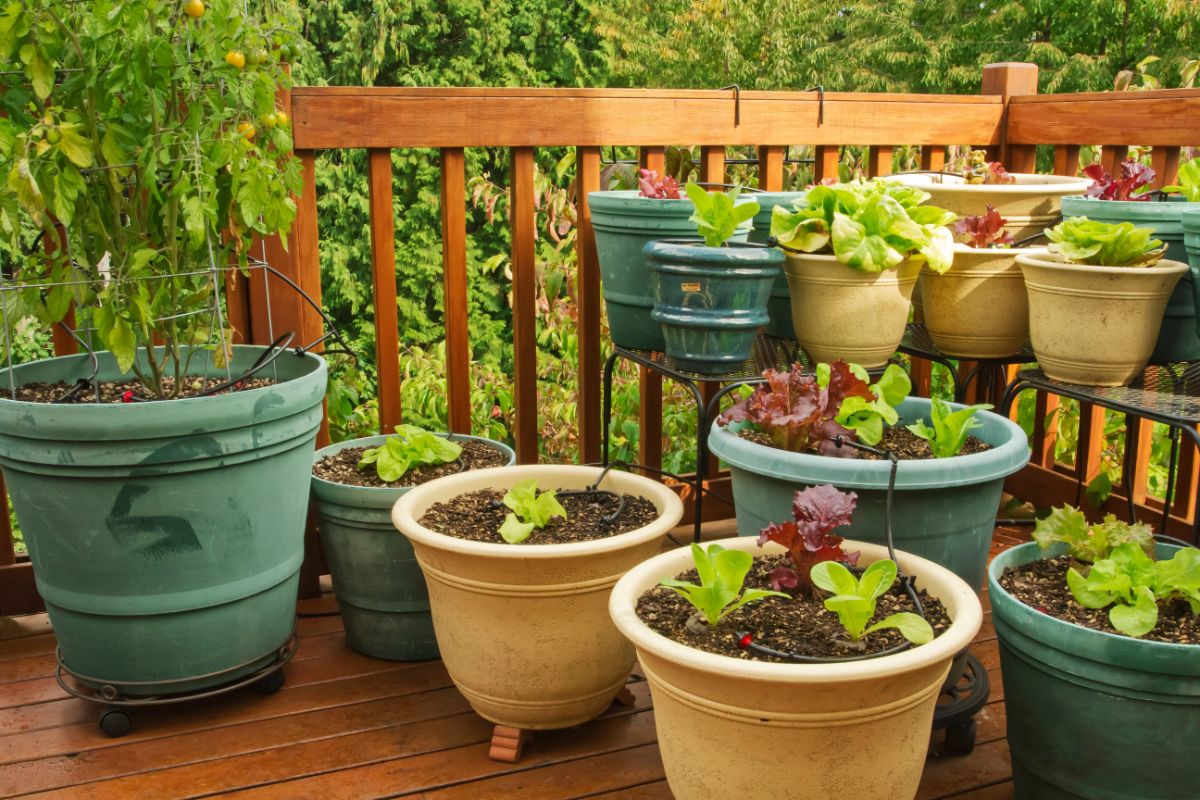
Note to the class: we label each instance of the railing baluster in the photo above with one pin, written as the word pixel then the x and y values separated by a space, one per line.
pixel 712 170
pixel 825 162
pixel 1046 409
pixel 1089 449
pixel 587 301
pixel 933 157
pixel 454 278
pixel 1187 480
pixel 650 391
pixel 1165 163
pixel 383 274
pixel 879 160
pixel 770 167
pixel 524 310
pixel 1066 159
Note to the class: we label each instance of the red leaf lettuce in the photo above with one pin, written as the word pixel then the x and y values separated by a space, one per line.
pixel 986 230
pixel 809 538
pixel 1134 176
pixel 658 187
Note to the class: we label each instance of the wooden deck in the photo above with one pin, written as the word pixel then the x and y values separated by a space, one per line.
pixel 348 726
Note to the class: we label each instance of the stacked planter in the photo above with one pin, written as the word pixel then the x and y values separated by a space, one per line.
pixel 779 307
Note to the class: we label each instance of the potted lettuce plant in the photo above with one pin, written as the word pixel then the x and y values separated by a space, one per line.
pixel 854 252
pixel 710 296
pixel 1098 627
pixel 1096 300
pixel 756 648
pixel 1127 197
pixel 779 306
pixel 376 579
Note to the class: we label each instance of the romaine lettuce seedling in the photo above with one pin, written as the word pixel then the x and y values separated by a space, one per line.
pixel 816 512
pixel 718 214
pixel 1090 543
pixel 854 600
pixel 868 417
pixel 722 576
pixel 530 509
pixel 950 428
pixel 1104 244
pixel 1189 182
pixel 1130 583
pixel 410 447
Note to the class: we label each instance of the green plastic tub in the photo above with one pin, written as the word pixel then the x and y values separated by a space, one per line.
pixel 1178 339
pixel 711 301
pixel 944 510
pixel 379 586
pixel 1094 715
pixel 166 537
pixel 780 305
pixel 624 222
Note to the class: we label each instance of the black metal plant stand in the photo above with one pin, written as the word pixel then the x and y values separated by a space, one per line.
pixel 987 374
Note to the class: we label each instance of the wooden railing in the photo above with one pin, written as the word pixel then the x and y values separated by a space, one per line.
pixel 1007 117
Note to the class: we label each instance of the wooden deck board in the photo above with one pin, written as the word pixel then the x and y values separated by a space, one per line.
pixel 348 726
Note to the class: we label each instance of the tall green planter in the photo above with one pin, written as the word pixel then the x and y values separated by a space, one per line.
pixel 711 301
pixel 166 537
pixel 1191 246
pixel 1178 339
pixel 1094 715
pixel 624 222
pixel 779 307
pixel 944 509
pixel 379 586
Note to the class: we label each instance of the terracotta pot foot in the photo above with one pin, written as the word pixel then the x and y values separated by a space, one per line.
pixel 507 743
pixel 625 697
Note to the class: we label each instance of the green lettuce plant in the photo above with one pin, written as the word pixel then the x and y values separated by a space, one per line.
pixel 718 214
pixel 1087 542
pixel 854 600
pixel 529 509
pixel 410 447
pixel 869 226
pixel 1080 240
pixel 868 417
pixel 722 577
pixel 1189 181
pixel 950 428
pixel 1130 584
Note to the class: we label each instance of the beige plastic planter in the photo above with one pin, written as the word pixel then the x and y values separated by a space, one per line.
pixel 1095 325
pixel 524 629
pixel 1030 205
pixel 730 729
pixel 977 308
pixel 841 312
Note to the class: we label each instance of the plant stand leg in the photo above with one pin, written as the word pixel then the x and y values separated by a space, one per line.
pixel 507 743
pixel 625 697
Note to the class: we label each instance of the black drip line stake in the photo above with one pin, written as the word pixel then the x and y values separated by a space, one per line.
pixel 746 638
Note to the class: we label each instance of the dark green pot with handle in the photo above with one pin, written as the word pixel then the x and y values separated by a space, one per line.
pixel 779 307
pixel 1191 242
pixel 711 301
pixel 1178 339
pixel 379 586
pixel 624 222
pixel 944 509
pixel 166 537
pixel 1094 715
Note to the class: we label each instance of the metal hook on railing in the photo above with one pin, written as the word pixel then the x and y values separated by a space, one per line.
pixel 737 102
pixel 820 90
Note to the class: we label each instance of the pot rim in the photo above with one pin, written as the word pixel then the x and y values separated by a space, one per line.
pixel 1164 267
pixel 966 249
pixel 1027 183
pixel 965 623
pixel 417 499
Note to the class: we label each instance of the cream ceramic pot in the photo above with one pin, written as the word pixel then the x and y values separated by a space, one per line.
pixel 977 308
pixel 1095 326
pixel 523 629
pixel 1030 205
pixel 842 312
pixel 731 729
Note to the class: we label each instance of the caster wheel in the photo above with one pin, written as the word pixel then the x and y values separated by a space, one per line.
pixel 269 684
pixel 116 722
pixel 960 738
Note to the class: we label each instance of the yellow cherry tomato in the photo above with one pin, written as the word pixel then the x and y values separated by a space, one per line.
pixel 259 56
pixel 53 135
pixel 269 120
pixel 247 130
pixel 235 59
pixel 194 8
pixel 281 119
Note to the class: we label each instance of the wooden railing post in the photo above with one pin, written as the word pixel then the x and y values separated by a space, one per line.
pixel 1011 79
pixel 454 277
pixel 587 302
pixel 383 274
pixel 524 302
pixel 650 387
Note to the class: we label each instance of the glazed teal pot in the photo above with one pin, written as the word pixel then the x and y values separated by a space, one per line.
pixel 166 537
pixel 711 301
pixel 780 305
pixel 376 578
pixel 944 509
pixel 1191 242
pixel 1178 339
pixel 1094 715
pixel 624 222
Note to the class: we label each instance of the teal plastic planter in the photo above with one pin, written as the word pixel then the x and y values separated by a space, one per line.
pixel 379 586
pixel 1093 715
pixel 711 301
pixel 1191 242
pixel 624 222
pixel 780 305
pixel 1178 339
pixel 166 537
pixel 945 509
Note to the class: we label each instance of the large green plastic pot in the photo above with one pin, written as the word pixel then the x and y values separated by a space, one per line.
pixel 1178 339
pixel 376 578
pixel 780 305
pixel 711 301
pixel 166 537
pixel 624 222
pixel 1191 242
pixel 944 510
pixel 1093 715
